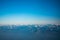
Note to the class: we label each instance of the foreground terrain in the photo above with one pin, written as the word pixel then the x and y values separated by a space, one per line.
pixel 30 32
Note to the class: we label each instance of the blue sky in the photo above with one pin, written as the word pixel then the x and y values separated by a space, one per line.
pixel 29 11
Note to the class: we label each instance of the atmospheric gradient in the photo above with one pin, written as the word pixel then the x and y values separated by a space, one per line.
pixel 29 12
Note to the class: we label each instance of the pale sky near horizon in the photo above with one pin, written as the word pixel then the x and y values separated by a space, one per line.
pixel 29 12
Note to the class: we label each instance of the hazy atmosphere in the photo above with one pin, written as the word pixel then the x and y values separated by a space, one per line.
pixel 29 12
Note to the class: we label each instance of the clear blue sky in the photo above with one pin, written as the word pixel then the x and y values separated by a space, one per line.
pixel 29 11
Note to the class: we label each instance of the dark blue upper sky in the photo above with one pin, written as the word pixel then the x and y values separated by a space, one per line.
pixel 29 11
